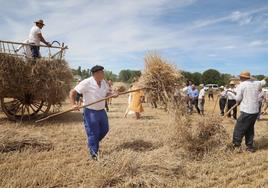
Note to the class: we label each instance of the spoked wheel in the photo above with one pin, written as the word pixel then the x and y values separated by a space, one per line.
pixel 25 108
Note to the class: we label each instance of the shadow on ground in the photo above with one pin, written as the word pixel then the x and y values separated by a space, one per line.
pixel 262 143
pixel 138 145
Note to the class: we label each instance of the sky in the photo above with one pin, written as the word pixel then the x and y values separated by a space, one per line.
pixel 195 35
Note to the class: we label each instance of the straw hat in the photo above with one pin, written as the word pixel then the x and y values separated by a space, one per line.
pixel 40 22
pixel 245 74
pixel 201 85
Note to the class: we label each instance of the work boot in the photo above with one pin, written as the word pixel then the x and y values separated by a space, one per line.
pixel 251 149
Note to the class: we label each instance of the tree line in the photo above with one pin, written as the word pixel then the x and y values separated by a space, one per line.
pixel 126 76
pixel 210 76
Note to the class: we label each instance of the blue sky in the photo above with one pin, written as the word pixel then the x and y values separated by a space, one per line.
pixel 227 35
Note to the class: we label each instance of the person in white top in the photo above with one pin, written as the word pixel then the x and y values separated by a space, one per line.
pixel 223 99
pixel 261 101
pixel 95 117
pixel 265 101
pixel 35 37
pixel 201 99
pixel 248 98
pixel 231 93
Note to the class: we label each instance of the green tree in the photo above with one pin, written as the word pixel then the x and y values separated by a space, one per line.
pixel 124 75
pixel 109 75
pixel 128 75
pixel 197 78
pixel 259 77
pixel 187 75
pixel 211 76
pixel 225 78
pixel 79 71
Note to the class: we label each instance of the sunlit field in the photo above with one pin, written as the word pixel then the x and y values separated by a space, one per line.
pixel 135 153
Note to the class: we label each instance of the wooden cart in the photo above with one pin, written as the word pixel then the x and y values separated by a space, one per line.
pixel 27 107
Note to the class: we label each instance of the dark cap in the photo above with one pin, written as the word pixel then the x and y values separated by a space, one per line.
pixel 96 68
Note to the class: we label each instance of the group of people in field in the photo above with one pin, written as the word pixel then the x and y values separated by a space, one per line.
pixel 248 93
pixel 195 97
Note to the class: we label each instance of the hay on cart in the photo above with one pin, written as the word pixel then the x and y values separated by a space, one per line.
pixel 46 80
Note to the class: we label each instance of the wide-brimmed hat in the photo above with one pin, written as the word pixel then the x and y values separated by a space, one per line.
pixel 40 22
pixel 201 85
pixel 245 74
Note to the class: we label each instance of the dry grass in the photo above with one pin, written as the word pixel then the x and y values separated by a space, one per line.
pixel 46 80
pixel 135 153
pixel 160 150
pixel 12 141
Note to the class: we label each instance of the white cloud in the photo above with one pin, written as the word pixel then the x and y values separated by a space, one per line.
pixel 258 43
pixel 241 18
pixel 101 32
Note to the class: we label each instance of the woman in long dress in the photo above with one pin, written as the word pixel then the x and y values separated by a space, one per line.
pixel 136 102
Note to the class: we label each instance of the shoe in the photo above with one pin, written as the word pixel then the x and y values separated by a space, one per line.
pixel 94 157
pixel 251 149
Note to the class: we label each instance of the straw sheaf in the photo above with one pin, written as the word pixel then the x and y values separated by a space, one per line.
pixel 161 77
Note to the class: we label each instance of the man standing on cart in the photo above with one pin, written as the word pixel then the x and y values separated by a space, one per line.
pixel 35 37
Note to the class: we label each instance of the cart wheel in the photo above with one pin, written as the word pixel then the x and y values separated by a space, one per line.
pixel 24 109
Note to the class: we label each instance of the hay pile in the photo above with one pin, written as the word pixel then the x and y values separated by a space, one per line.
pixel 46 80
pixel 161 77
pixel 13 141
pixel 202 137
pixel 120 86
pixel 197 138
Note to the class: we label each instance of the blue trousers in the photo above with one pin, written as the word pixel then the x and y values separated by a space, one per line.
pixel 96 126
pixel 35 51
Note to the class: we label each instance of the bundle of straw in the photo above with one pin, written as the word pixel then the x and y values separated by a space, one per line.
pixel 46 80
pixel 161 77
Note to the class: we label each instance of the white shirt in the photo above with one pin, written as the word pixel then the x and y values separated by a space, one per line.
pixel 248 93
pixel 230 93
pixel 33 36
pixel 223 94
pixel 92 92
pixel 201 93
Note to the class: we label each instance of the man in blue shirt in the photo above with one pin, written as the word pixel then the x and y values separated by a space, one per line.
pixel 193 95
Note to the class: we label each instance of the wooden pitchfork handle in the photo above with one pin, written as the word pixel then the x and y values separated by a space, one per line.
pixel 73 109
pixel 216 102
pixel 228 112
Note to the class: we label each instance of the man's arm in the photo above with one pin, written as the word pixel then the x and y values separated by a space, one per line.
pixel 72 96
pixel 43 40
pixel 239 95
